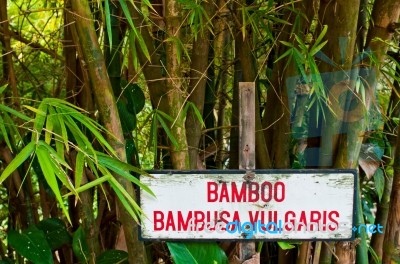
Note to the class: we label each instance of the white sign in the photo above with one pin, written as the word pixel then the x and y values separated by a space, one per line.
pixel 235 205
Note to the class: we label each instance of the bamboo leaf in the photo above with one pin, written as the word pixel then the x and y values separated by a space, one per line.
pixel 123 169
pixel 168 131
pixel 129 198
pixel 18 160
pixel 153 133
pixel 118 189
pixel 63 131
pixel 3 131
pixel 53 154
pixel 108 21
pixel 285 245
pixel 7 109
pixel 287 53
pixel 301 43
pixel 79 167
pixel 197 113
pixel 164 115
pixel 49 129
pixel 317 48
pixel 91 184
pixel 3 88
pixel 59 103
pixel 82 141
pixel 139 37
pixel 298 58
pixel 132 40
pixel 94 129
pixel 321 36
pixel 40 119
pixel 49 175
pixel 57 131
pixel 13 128
pixel 288 44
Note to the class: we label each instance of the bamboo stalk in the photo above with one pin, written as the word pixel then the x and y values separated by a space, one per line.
pixel 106 104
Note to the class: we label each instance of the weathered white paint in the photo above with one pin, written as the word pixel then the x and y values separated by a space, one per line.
pixel 325 191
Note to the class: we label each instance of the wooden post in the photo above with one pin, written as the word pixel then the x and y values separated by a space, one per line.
pixel 247 155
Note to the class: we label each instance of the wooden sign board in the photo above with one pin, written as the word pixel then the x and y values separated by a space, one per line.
pixel 258 205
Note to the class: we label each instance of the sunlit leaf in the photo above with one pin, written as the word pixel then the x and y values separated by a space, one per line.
pixel 285 245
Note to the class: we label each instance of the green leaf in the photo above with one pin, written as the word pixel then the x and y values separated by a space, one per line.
pixel 287 53
pixel 135 97
pixel 108 21
pixel 153 134
pixel 49 175
pixel 3 88
pixel 83 143
pixel 299 60
pixel 80 247
pixel 91 184
pixel 379 180
pixel 123 169
pixel 132 46
pixel 56 163
pixel 207 253
pixel 94 128
pixel 7 109
pixel 112 256
pixel 55 231
pixel 167 131
pixel 317 48
pixel 374 255
pixel 301 43
pixel 165 116
pixel 180 253
pixel 127 201
pixel 285 245
pixel 196 112
pixel 31 244
pixel 321 36
pixel 48 132
pixel 132 156
pixel 128 120
pixel 40 119
pixel 57 131
pixel 18 160
pixel 13 129
pixel 63 130
pixel 53 154
pixel 79 167
pixel 3 131
pixel 139 38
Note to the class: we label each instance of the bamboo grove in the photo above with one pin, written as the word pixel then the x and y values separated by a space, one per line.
pixel 92 93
